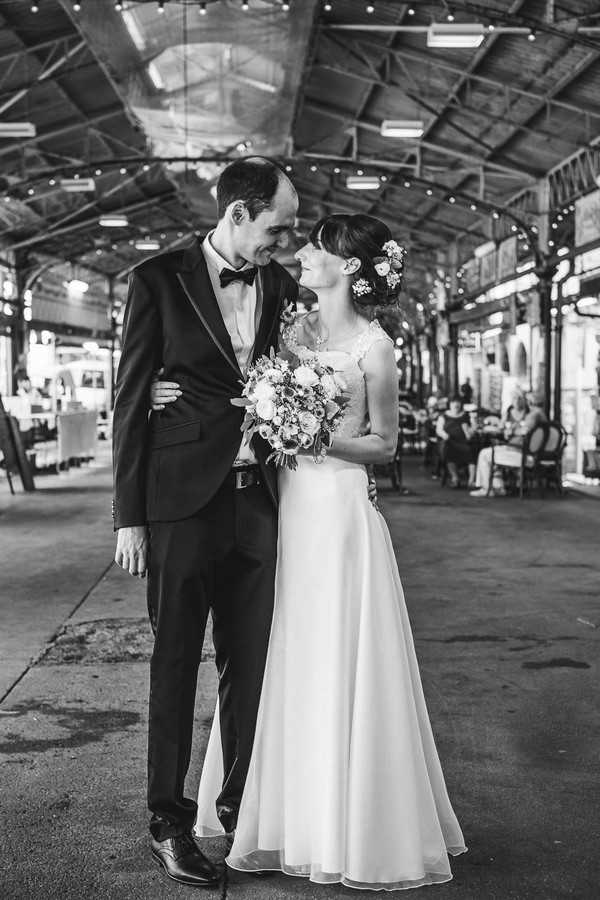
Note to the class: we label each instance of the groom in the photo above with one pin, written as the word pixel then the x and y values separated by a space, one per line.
pixel 195 506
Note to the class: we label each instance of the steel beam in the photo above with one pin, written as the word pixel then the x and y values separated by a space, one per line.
pixel 62 129
pixel 436 62
pixel 348 119
pixel 91 222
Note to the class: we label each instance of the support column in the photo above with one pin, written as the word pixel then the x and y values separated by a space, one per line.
pixel 113 334
pixel 544 273
pixel 19 345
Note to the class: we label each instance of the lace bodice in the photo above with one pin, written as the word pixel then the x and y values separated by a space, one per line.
pixel 346 363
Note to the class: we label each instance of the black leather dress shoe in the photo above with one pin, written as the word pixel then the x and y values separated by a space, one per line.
pixel 183 861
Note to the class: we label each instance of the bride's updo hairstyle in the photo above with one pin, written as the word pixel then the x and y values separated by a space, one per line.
pixel 378 281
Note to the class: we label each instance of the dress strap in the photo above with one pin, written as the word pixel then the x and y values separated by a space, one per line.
pixel 365 341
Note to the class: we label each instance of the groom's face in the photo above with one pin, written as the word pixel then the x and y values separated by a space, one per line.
pixel 256 240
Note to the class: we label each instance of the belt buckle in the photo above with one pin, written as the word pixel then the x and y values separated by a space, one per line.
pixel 242 479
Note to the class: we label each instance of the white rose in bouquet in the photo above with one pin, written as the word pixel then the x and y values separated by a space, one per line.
pixel 265 409
pixel 308 423
pixel 306 377
pixel 263 390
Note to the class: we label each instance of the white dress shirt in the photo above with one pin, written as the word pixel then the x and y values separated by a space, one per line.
pixel 240 307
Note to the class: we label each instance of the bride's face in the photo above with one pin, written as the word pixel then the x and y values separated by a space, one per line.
pixel 319 268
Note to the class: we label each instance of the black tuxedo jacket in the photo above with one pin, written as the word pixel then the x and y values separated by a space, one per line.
pixel 168 465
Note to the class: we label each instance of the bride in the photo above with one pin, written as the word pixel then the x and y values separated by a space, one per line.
pixel 344 784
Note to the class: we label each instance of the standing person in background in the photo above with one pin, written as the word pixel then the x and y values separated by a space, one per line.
pixel 466 391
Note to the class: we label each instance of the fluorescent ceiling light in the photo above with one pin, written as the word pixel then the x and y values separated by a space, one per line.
pixel 587 301
pixel 134 31
pixel 76 185
pixel 76 286
pixel 402 128
pixel 525 266
pixel 439 35
pixel 484 249
pixel 363 182
pixel 17 129
pixel 147 245
pixel 113 221
pixel 155 76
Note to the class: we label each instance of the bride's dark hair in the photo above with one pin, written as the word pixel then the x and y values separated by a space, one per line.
pixel 363 237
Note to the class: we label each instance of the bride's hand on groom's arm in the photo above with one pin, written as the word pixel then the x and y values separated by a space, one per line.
pixel 132 550
pixel 163 392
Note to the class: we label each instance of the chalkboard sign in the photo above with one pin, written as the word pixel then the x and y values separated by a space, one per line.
pixel 11 445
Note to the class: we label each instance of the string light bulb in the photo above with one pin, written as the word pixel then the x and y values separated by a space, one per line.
pixel 118 6
pixel 76 7
pixel 327 7
pixel 370 8
pixel 285 6
pixel 34 8
pixel 531 36
pixel 202 9
pixel 245 5
pixel 161 6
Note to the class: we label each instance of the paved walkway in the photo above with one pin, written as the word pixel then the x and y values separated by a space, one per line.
pixel 503 596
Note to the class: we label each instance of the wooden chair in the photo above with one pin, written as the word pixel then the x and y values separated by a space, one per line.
pixel 528 466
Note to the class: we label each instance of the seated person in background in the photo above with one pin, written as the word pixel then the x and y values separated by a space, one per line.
pixel 454 428
pixel 510 453
pixel 515 413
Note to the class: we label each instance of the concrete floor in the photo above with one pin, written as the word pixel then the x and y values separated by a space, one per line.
pixel 503 596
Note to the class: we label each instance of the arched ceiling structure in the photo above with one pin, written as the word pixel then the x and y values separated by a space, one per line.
pixel 150 105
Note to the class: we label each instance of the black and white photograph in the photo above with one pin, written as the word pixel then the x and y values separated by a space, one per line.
pixel 299 449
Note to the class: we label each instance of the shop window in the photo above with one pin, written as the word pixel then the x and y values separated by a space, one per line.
pixel 92 378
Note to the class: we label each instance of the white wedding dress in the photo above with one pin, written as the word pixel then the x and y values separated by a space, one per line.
pixel 344 784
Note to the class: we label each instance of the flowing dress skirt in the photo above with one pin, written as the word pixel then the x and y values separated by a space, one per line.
pixel 345 784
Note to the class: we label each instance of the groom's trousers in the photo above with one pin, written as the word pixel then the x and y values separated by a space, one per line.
pixel 221 560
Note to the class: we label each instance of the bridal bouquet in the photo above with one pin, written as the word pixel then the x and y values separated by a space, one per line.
pixel 294 405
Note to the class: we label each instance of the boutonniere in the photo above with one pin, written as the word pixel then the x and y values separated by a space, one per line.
pixel 288 316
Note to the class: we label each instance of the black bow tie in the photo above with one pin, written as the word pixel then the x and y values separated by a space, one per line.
pixel 228 275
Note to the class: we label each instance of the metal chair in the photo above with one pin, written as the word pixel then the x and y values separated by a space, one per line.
pixel 550 457
pixel 528 465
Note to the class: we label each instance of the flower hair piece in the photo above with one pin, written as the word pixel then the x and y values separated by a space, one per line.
pixel 360 287
pixel 391 265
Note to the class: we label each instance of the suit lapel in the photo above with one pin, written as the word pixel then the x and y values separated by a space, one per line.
pixel 197 287
pixel 270 292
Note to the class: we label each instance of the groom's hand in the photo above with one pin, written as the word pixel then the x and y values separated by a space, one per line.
pixel 372 491
pixel 132 550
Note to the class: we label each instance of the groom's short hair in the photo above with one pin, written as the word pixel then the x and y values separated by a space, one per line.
pixel 254 180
